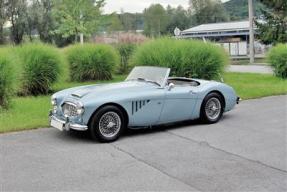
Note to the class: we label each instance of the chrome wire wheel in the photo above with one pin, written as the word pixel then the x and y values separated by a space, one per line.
pixel 213 108
pixel 110 124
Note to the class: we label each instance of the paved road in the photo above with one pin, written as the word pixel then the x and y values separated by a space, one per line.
pixel 264 69
pixel 246 151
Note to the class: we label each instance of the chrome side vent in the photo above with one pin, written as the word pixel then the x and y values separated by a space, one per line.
pixel 137 105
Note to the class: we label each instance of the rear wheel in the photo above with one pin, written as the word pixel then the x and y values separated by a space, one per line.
pixel 212 108
pixel 107 124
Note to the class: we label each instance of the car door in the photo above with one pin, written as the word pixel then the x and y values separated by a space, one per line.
pixel 145 109
pixel 178 105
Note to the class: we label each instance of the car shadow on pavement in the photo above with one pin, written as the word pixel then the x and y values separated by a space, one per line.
pixel 74 136
pixel 167 127
pixel 160 128
pixel 83 136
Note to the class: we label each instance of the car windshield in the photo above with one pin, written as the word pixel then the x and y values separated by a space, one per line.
pixel 156 75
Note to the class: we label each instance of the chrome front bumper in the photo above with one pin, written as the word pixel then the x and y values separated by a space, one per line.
pixel 66 124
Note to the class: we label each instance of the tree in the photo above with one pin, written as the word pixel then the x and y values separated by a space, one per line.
pixel 3 19
pixel 238 9
pixel 128 20
pixel 114 23
pixel 17 13
pixel 40 19
pixel 273 28
pixel 207 11
pixel 177 17
pixel 155 20
pixel 73 17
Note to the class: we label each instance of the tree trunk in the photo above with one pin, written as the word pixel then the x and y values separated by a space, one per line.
pixel 2 38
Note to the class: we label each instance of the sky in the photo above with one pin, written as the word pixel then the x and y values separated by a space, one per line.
pixel 137 6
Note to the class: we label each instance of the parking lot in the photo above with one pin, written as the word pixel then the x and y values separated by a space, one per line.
pixel 245 151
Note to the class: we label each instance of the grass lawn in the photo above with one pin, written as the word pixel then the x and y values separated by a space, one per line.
pixel 25 113
pixel 251 85
pixel 32 112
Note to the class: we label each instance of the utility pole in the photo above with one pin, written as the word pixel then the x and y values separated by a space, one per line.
pixel 251 32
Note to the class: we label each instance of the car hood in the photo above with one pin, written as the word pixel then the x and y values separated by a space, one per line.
pixel 111 88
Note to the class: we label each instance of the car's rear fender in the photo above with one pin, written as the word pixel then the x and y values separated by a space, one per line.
pixel 225 91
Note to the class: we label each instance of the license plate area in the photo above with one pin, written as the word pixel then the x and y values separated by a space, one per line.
pixel 57 124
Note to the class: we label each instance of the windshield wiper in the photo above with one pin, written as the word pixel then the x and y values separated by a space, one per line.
pixel 147 80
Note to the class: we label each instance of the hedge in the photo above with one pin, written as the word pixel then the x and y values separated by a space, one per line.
pixel 91 61
pixel 40 67
pixel 125 50
pixel 189 58
pixel 277 58
pixel 6 79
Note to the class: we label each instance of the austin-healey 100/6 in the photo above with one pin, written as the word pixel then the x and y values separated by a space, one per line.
pixel 146 98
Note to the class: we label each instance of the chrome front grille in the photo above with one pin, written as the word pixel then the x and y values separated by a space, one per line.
pixel 69 109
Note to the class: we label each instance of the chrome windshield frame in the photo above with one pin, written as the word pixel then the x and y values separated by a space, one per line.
pixel 166 78
pixel 163 83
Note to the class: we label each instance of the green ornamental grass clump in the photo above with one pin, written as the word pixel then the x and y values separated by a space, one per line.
pixel 40 68
pixel 277 58
pixel 189 58
pixel 6 78
pixel 92 61
pixel 125 50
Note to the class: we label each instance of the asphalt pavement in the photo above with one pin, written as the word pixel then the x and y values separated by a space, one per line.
pixel 245 151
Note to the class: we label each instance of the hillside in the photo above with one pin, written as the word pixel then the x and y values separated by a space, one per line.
pixel 238 9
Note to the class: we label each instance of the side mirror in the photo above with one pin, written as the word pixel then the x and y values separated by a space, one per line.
pixel 170 86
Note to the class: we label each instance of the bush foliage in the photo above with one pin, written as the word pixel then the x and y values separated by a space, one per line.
pixel 187 58
pixel 6 79
pixel 91 62
pixel 277 57
pixel 125 50
pixel 40 68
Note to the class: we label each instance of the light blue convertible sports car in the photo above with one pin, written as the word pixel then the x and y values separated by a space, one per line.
pixel 147 97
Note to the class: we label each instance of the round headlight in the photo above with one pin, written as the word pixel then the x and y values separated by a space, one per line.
pixel 54 101
pixel 80 110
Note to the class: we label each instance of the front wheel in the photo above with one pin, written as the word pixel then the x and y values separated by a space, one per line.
pixel 107 124
pixel 212 108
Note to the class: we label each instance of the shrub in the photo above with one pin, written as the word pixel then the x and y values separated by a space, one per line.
pixel 188 58
pixel 6 79
pixel 41 67
pixel 125 50
pixel 92 62
pixel 277 57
